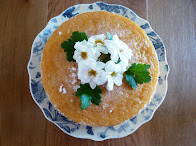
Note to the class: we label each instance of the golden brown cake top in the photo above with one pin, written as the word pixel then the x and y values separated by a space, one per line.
pixel 116 106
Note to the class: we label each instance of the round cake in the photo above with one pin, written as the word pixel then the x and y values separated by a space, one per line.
pixel 60 80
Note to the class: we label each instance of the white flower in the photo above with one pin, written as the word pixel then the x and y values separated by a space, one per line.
pixel 84 51
pixel 90 71
pixel 98 43
pixel 118 48
pixel 113 75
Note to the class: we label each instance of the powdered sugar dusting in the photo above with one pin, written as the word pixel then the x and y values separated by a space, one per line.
pixel 104 106
pixel 73 69
pixel 73 82
pixel 62 89
pixel 73 75
pixel 138 100
pixel 76 87
pixel 82 122
pixel 121 92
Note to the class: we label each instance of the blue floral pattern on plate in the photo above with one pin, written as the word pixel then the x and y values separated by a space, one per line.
pixel 83 131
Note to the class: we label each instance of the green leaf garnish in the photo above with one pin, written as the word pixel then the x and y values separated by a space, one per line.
pixel 137 74
pixel 131 81
pixel 85 101
pixel 109 36
pixel 87 94
pixel 118 61
pixel 79 36
pixel 68 45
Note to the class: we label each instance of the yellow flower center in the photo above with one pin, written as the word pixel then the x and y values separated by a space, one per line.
pixel 99 41
pixel 92 73
pixel 121 50
pixel 84 55
pixel 113 74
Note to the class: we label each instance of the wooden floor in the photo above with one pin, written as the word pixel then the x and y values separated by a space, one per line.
pixel 22 122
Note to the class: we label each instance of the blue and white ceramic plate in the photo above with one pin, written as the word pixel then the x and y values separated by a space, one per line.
pixel 83 131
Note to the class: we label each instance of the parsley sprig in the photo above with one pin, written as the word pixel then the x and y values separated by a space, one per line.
pixel 68 45
pixel 88 95
pixel 137 74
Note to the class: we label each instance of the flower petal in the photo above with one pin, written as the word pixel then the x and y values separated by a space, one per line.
pixel 105 76
pixel 93 54
pixel 100 64
pixel 97 54
pixel 111 45
pixel 92 39
pixel 102 49
pixel 123 64
pixel 110 66
pixel 80 47
pixel 99 81
pixel 83 69
pixel 115 38
pixel 124 51
pixel 92 84
pixel 114 56
pixel 110 84
pixel 118 79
